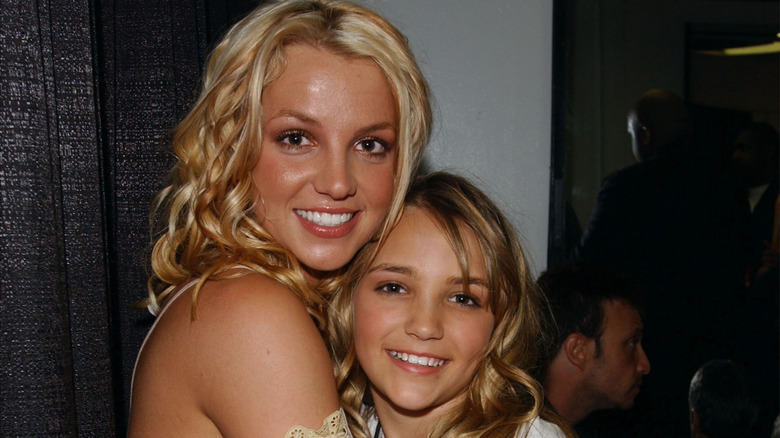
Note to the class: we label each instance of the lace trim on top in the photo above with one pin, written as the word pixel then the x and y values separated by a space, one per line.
pixel 333 426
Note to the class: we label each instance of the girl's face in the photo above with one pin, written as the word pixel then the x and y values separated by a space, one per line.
pixel 419 334
pixel 327 160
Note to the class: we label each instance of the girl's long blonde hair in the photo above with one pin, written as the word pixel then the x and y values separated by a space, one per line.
pixel 206 216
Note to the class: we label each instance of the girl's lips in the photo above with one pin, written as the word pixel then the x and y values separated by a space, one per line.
pixel 328 225
pixel 414 359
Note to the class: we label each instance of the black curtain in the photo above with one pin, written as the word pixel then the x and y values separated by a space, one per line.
pixel 149 58
pixel 89 92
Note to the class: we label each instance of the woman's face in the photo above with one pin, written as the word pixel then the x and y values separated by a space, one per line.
pixel 419 334
pixel 327 160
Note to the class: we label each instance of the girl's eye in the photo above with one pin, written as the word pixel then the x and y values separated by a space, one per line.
pixel 373 147
pixel 391 289
pixel 464 300
pixel 293 138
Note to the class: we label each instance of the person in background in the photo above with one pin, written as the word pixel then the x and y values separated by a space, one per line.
pixel 434 330
pixel 669 222
pixel 756 160
pixel 312 118
pixel 595 359
pixel 721 401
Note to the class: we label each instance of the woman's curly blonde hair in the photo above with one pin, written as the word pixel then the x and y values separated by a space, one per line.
pixel 206 216
pixel 503 395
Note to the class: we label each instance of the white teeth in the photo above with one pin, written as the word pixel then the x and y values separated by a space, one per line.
pixel 325 219
pixel 417 360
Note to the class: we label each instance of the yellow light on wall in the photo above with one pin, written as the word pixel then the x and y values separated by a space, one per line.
pixel 759 49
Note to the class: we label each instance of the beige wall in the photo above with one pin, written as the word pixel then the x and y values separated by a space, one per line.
pixel 489 63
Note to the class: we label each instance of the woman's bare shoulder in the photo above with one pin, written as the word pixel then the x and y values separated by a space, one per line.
pixel 252 299
pixel 251 352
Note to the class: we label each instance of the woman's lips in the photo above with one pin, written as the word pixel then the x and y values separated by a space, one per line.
pixel 328 225
pixel 325 219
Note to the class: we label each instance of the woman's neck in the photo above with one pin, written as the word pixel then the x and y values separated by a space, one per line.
pixel 313 277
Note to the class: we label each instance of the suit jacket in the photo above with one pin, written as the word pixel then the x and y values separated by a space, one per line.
pixel 668 220
pixel 757 226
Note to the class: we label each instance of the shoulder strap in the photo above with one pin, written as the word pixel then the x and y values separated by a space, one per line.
pixel 173 298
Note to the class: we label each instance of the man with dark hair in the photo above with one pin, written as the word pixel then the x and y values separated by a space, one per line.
pixel 593 358
pixel 721 401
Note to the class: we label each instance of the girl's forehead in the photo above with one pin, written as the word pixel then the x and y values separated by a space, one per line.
pixel 420 222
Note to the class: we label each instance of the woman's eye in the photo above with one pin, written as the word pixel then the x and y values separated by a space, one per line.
pixel 391 288
pixel 372 146
pixel 293 138
pixel 464 300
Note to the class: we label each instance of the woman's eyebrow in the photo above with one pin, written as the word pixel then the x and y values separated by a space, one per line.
pixel 376 127
pixel 294 114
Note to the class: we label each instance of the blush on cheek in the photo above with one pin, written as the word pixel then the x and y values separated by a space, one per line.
pixel 384 202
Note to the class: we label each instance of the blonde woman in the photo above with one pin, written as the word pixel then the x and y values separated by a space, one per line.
pixel 312 117
pixel 434 329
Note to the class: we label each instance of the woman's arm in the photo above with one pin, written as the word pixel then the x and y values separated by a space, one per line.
pixel 251 364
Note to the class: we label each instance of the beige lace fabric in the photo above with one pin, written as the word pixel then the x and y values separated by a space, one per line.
pixel 333 426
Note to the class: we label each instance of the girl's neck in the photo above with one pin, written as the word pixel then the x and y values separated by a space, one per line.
pixel 394 426
pixel 400 423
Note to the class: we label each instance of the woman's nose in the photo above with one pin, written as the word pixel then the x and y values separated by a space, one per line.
pixel 335 176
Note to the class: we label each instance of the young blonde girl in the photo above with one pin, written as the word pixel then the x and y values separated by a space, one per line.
pixel 499 398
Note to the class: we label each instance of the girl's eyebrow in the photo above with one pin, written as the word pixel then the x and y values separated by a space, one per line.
pixel 405 270
pixel 472 280
pixel 398 269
